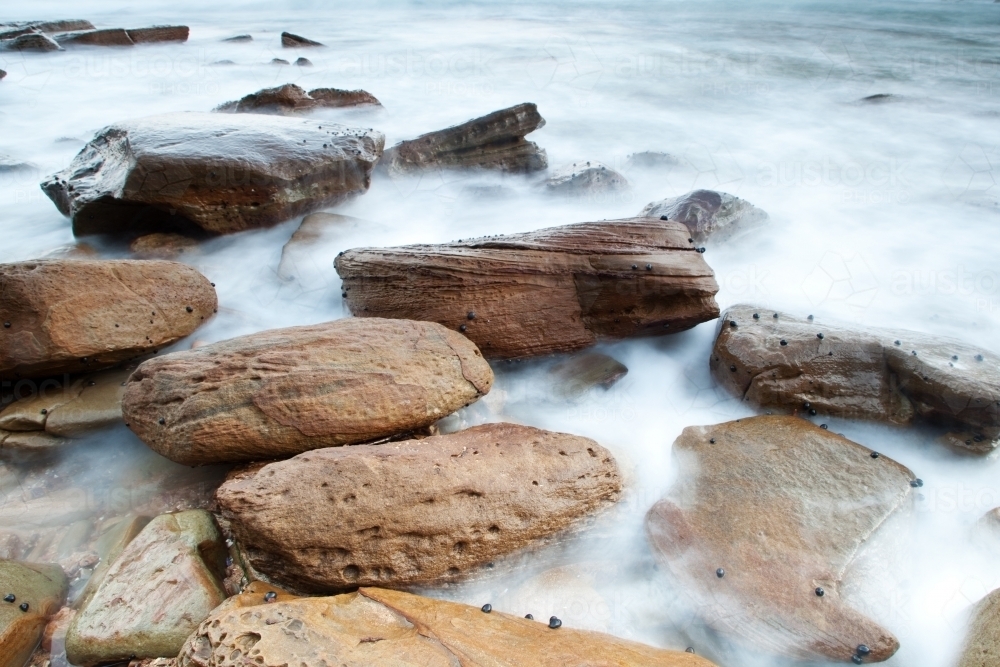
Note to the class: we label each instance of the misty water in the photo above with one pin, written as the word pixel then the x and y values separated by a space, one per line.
pixel 882 213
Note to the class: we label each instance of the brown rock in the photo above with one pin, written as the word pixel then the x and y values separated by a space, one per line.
pixel 159 33
pixel 586 178
pixel 708 213
pixel 290 99
pixel 578 374
pixel 32 41
pixel 553 290
pixel 162 246
pixel 335 97
pixel 213 172
pixel 278 393
pixel 495 141
pixel 106 37
pixel 782 506
pixel 418 512
pixel 42 588
pixel 290 41
pixel 982 644
pixel 858 373
pixel 381 627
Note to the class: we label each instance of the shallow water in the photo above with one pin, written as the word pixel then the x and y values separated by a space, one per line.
pixel 882 214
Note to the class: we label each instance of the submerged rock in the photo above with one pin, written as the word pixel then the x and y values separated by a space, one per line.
pixel 239 38
pixel 495 141
pixel 289 40
pixel 38 591
pixel 708 213
pixel 878 98
pixel 982 644
pixel 70 316
pixel 159 33
pixel 108 547
pixel 766 511
pixel 552 290
pixel 156 593
pixel 220 173
pixel 786 362
pixel 162 246
pixel 417 512
pixel 32 41
pixel 278 393
pixel 290 99
pixel 577 375
pixel 303 62
pixel 586 178
pixel 381 627
pixel 315 230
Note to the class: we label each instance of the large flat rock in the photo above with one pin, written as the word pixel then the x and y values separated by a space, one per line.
pixel 552 290
pixel 982 644
pixel 69 316
pixel 219 173
pixel 417 512
pixel 40 590
pixel 278 393
pixel 782 507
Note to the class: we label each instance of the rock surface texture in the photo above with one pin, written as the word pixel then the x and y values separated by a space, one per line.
pixel 69 316
pixel 278 393
pixel 290 99
pixel 218 173
pixel 766 511
pixel 552 290
pixel 417 512
pixel 982 645
pixel 707 213
pixel 41 589
pixel 586 179
pixel 495 141
pixel 776 360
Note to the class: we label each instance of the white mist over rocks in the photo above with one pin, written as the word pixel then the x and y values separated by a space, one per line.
pixel 883 212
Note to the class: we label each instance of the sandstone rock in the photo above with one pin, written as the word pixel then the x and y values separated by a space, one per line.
pixel 239 38
pixel 290 99
pixel 782 506
pixel 316 229
pixel 79 315
pixel 586 178
pixel 418 512
pixel 87 404
pixel 335 97
pixel 32 41
pixel 982 644
pixel 577 375
pixel 708 213
pixel 219 173
pixel 162 246
pixel 164 583
pixel 40 587
pixel 381 627
pixel 106 37
pixel 552 290
pixel 278 393
pixel 17 444
pixel 159 33
pixel 858 373
pixel 495 141
pixel 109 547
pixel 48 27
pixel 290 41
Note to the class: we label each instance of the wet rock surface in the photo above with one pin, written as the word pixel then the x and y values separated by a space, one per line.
pixel 707 213
pixel 579 374
pixel 215 172
pixel 278 393
pixel 12 30
pixel 800 363
pixel 495 141
pixel 104 37
pixel 33 41
pixel 162 246
pixel 982 643
pixel 159 33
pixel 417 512
pixel 315 230
pixel 382 627
pixel 161 586
pixel 765 512
pixel 552 290
pixel 29 594
pixel 291 99
pixel 586 178
pixel 80 315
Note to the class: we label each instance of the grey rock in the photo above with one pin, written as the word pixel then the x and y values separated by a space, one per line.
pixel 707 213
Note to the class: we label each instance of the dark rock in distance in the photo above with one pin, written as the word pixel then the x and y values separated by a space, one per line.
pixel 289 40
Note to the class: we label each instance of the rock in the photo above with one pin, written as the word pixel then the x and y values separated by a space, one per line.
pixel 495 141
pixel 279 61
pixel 161 587
pixel 982 644
pixel 417 512
pixel 109 546
pixel 43 588
pixel 782 506
pixel 3 74
pixel 278 393
pixel 10 164
pixel 577 375
pixel 315 229
pixel 70 316
pixel 48 27
pixel 878 98
pixel 858 373
pixel 586 178
pixel 303 62
pixel 17 444
pixel 335 98
pixel 381 627
pixel 708 213
pixel 239 38
pixel 552 290
pixel 651 160
pixel 162 246
pixel 77 250
pixel 159 33
pixel 106 37
pixel 289 41
pixel 290 99
pixel 33 41
pixel 213 172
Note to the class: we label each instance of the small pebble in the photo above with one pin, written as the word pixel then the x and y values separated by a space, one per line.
pixel 720 573
pixel 555 623
pixel 954 357
pixel 824 426
pixel 856 659
pixel 689 649
pixel 917 483
pixel 471 315
pixel 810 317
pixel 10 597
pixel 979 357
pixel 733 368
pixel 712 441
pixel 914 353
pixel 784 342
pixel 776 316
pixel 820 592
pixel 875 455
pixel 462 328
pixel 820 336
pixel 6 325
pixel 162 421
pixel 487 608
pixel 649 267
pixel 756 316
pixel 23 606
pixel 270 596
pixel 663 217
pixel 732 323
pixel 189 309
pixel 863 650
pixel 529 617
pixel 635 266
pixel 897 343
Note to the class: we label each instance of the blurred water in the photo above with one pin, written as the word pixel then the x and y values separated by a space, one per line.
pixel 883 214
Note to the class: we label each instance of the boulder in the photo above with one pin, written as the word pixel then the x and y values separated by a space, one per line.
pixel 552 290
pixel 32 41
pixel 108 547
pixel 67 316
pixel 417 512
pixel 336 98
pixel 155 594
pixel 162 246
pixel 982 644
pixel 586 178
pixel 38 592
pixel 291 41
pixel 278 393
pixel 708 213
pixel 290 99
pixel 771 359
pixel 10 31
pixel 495 141
pixel 315 231
pixel 766 516
pixel 159 33
pixel 106 37
pixel 375 626
pixel 581 373
pixel 213 172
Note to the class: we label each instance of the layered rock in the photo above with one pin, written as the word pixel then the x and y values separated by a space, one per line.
pixel 12 30
pixel 32 41
pixel 381 627
pixel 214 172
pixel 159 33
pixel 290 99
pixel 67 316
pixel 586 178
pixel 104 37
pixel 495 141
pixel 765 518
pixel 708 213
pixel 155 594
pixel 38 592
pixel 417 512
pixel 291 41
pixel 278 393
pixel 552 290
pixel 982 644
pixel 771 359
